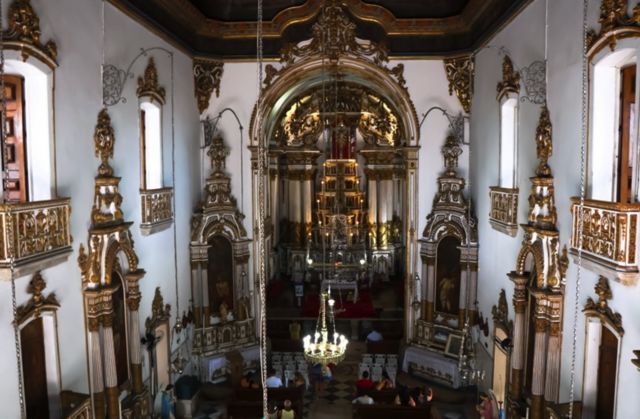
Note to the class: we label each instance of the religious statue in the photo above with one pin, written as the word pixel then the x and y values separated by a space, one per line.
pixel 445 295
pixel 544 143
pixel 223 310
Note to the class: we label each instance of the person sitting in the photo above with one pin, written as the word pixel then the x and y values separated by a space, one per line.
pixel 364 399
pixel 287 411
pixel 365 383
pixel 272 411
pixel 385 382
pixel 273 381
pixel 248 381
pixel 403 398
pixel 374 336
pixel 485 408
pixel 298 380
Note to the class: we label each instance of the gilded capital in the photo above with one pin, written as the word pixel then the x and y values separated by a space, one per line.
pixel 207 75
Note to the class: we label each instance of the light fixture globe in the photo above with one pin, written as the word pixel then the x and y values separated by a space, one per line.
pixel 319 348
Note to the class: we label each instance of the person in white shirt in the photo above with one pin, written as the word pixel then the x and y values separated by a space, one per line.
pixel 273 381
pixel 364 399
pixel 374 336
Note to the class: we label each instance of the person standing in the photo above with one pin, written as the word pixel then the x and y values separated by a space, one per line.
pixel 273 381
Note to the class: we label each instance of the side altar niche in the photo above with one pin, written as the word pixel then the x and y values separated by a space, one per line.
pixel 219 248
pixel 448 286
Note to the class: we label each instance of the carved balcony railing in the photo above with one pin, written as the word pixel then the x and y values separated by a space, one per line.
pixel 157 209
pixel 609 237
pixel 220 338
pixel 504 210
pixel 35 235
pixel 75 405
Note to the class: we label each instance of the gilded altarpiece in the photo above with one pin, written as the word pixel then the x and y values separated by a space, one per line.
pixel 110 276
pixel 538 299
pixel 221 290
pixel 449 255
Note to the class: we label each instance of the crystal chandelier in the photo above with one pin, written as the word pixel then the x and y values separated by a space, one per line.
pixel 322 349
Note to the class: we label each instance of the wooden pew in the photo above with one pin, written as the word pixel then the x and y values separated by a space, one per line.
pixel 247 402
pixel 380 396
pixel 386 411
pixel 384 347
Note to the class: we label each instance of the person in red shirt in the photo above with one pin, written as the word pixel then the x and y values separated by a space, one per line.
pixel 364 383
pixel 485 408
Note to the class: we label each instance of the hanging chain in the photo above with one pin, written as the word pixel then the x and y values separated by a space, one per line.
pixel 173 200
pixel 9 223
pixel 262 271
pixel 583 146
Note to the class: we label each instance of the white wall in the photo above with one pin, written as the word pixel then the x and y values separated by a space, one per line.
pixel 524 39
pixel 75 26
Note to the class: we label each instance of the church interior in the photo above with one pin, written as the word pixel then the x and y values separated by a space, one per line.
pixel 319 209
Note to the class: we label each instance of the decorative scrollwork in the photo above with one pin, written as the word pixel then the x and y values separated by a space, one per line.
pixel 601 307
pixel 460 72
pixel 24 31
pixel 148 85
pixel 614 21
pixel 510 78
pixel 207 76
pixel 113 80
pixel 37 301
pixel 535 83
pixel 334 36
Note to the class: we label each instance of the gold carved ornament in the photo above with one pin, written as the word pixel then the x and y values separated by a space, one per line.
pixel 544 143
pixel 601 307
pixel 24 30
pixel 160 312
pixel 38 301
pixel 614 22
pixel 510 78
pixel 334 36
pixel 207 75
pixel 460 73
pixel 104 140
pixel 148 85
pixel 500 313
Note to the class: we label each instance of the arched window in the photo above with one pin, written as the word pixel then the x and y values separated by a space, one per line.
pixel 156 200
pixel 508 141
pixel 151 145
pixel 602 352
pixel 39 345
pixel 29 142
pixel 613 140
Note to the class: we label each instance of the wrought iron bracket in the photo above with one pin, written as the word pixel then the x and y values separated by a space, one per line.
pixel 114 78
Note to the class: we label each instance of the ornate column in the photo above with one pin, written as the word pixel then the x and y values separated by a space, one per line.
pixel 517 356
pixel 110 370
pixel 275 198
pixel 372 197
pixel 204 289
pixel 411 219
pixel 552 380
pixel 295 209
pixel 135 352
pixel 96 362
pixel 195 294
pixel 464 284
pixel 539 365
pixel 307 203
pixel 473 293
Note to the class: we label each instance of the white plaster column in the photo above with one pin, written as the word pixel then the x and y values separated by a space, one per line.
pixel 411 219
pixel 517 355
pixel 539 369
pixel 464 279
pixel 430 288
pixel 307 204
pixel 382 202
pixel 135 351
pixel 110 368
pixel 274 202
pixel 196 295
pixel 552 380
pixel 97 382
pixel 372 197
pixel 591 363
pixel 389 199
pixel 473 287
pixel 204 287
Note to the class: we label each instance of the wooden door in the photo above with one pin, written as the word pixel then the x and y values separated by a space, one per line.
pixel 14 150
pixel 607 373
pixel 627 126
pixel 34 370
